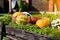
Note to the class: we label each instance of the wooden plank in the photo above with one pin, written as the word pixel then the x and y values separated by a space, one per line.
pixel 51 9
pixel 40 5
pixel 10 5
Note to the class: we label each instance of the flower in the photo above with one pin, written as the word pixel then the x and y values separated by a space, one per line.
pixel 55 23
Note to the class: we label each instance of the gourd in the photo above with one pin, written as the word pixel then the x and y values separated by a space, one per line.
pixel 42 22
pixel 15 15
pixel 22 19
pixel 34 19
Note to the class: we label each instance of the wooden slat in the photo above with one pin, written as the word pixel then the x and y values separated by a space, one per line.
pixel 58 4
pixel 10 5
pixel 50 5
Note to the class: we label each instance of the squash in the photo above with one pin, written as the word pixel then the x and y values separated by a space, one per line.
pixel 22 19
pixel 15 15
pixel 42 22
pixel 34 19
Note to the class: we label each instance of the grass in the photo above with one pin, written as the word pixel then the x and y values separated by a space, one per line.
pixel 36 14
pixel 50 16
pixel 48 31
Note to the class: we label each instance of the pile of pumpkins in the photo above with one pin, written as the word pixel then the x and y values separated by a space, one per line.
pixel 19 18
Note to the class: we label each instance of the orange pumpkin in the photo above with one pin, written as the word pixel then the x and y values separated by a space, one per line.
pixel 42 22
pixel 15 15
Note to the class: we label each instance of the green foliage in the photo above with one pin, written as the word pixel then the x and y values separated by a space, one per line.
pixel 20 8
pixel 23 6
pixel 37 14
pixel 6 38
pixel 6 18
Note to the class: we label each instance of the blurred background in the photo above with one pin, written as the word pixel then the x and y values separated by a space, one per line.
pixel 32 5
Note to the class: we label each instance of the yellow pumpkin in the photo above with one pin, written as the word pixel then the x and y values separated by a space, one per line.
pixel 15 15
pixel 42 22
pixel 47 20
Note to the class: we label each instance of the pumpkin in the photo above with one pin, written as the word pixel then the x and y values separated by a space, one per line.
pixel 15 15
pixel 42 22
pixel 22 19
